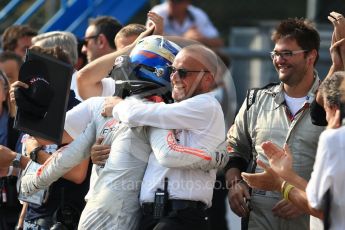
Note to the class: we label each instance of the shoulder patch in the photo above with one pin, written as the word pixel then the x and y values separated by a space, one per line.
pixel 251 96
pixel 251 93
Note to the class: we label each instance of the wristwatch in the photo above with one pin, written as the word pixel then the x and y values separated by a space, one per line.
pixel 16 160
pixel 34 152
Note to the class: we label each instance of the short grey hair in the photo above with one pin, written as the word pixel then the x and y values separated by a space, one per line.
pixel 330 88
pixel 66 40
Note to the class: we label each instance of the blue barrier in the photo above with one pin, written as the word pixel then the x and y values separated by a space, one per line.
pixel 74 17
pixel 29 12
pixel 9 8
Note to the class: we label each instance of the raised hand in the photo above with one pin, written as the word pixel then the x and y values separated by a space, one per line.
pixel 267 180
pixel 157 21
pixel 338 23
pixel 109 104
pixel 15 85
pixel 280 159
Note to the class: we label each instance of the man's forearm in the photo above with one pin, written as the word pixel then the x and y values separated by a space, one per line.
pixel 299 198
pixel 232 176
pixel 89 78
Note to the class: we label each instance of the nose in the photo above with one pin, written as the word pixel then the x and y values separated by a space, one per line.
pixel 83 49
pixel 174 76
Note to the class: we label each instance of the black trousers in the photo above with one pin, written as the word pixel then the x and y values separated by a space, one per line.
pixel 185 219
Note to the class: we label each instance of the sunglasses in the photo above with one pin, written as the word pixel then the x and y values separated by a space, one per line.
pixel 87 39
pixel 183 72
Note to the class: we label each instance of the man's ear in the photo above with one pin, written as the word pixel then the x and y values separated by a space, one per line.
pixel 102 40
pixel 312 55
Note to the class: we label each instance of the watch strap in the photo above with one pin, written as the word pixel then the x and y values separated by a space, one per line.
pixel 34 153
pixel 16 160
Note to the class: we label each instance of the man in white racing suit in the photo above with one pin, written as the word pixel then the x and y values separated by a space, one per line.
pixel 113 202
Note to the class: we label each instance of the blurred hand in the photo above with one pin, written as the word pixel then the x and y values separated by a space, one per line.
pixel 338 22
pixel 109 104
pixel 194 34
pixel 30 144
pixel 237 196
pixel 15 85
pixel 100 152
pixel 156 21
pixel 267 180
pixel 149 31
pixel 286 210
pixel 336 56
pixel 334 121
pixel 280 159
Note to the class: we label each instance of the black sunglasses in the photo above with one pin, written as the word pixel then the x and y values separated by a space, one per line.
pixel 183 72
pixel 87 39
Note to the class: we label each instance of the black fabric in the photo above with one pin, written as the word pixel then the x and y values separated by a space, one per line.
pixel 237 162
pixel 42 107
pixel 36 99
pixel 327 210
pixel 9 210
pixel 185 219
pixel 318 114
pixel 72 101
pixel 12 135
pixel 217 211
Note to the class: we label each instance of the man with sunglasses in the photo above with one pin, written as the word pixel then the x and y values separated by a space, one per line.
pixel 280 113
pixel 99 37
pixel 197 120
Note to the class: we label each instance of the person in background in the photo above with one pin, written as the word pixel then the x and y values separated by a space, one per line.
pixel 9 205
pixel 281 113
pixel 10 63
pixel 96 84
pixel 128 34
pixel 310 196
pixel 181 18
pixel 99 37
pixel 17 38
pixel 82 59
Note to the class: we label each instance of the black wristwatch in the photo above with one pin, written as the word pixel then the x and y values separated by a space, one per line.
pixel 16 160
pixel 18 228
pixel 34 152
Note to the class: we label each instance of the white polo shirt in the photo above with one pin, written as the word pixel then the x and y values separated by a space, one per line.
pixel 197 18
pixel 328 173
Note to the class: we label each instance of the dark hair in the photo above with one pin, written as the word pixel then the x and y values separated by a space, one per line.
pixel 108 26
pixel 56 52
pixel 9 55
pixel 12 34
pixel 330 88
pixel 300 29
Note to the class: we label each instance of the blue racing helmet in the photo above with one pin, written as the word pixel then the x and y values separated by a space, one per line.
pixel 152 55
